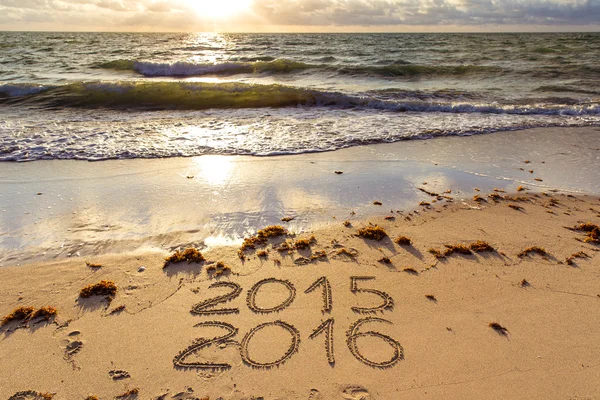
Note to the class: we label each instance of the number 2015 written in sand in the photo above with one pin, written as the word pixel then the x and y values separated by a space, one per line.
pixel 357 286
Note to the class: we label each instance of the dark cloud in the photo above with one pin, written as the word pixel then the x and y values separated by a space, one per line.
pixel 394 14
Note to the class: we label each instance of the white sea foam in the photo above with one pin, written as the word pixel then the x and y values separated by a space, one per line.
pixel 98 135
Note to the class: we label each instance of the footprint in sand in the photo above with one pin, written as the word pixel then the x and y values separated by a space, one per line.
pixel 315 395
pixel 72 345
pixel 355 393
pixel 119 374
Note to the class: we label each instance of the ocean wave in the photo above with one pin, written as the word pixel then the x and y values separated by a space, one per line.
pixel 145 95
pixel 99 135
pixel 21 89
pixel 399 68
pixel 184 68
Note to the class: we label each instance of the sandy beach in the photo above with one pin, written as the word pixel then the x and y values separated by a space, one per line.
pixel 495 296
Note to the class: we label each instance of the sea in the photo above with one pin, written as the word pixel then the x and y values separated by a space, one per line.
pixel 98 96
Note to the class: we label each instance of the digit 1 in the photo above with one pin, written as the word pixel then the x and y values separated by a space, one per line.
pixel 327 300
pixel 326 326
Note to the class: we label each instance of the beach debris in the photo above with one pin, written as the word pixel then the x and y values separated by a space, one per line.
pixel 436 253
pixel 92 397
pixel 385 260
pixel 525 283
pixel 31 395
pixel 347 224
pixel 499 190
pixel 592 232
pixel 18 314
pixel 129 394
pixel 190 255
pixel 301 244
pixel 516 207
pixel 285 247
pixel 521 188
pixel 262 236
pixel 431 297
pixel 495 196
pixel 390 218
pixel 104 288
pixel 27 313
pixel 377 203
pixel 478 198
pixel 515 198
pixel 339 172
pixel 141 269
pixel 218 269
pixel 527 162
pixel 318 255
pixel 262 254
pixel 190 176
pixel 571 259
pixel 410 270
pixel 498 328
pixel 480 246
pixel 432 194
pixel 93 265
pixel 403 241
pixel 287 219
pixel 533 249
pixel 457 248
pixel 372 232
pixel 343 252
pixel 117 310
pixel 424 203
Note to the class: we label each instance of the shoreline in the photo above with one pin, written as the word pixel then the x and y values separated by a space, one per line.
pixel 112 206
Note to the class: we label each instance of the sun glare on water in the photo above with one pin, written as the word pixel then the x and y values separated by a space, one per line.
pixel 219 8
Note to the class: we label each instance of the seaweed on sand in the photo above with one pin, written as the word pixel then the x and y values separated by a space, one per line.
pixel 190 255
pixel 103 288
pixel 533 249
pixel 403 241
pixel 372 232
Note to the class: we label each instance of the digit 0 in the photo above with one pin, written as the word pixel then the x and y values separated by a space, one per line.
pixel 251 298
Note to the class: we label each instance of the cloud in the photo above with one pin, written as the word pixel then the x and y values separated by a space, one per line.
pixel 313 14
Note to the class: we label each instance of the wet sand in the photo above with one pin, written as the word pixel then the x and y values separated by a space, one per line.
pixel 117 206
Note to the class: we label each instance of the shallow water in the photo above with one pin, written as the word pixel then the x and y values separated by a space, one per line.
pixel 122 205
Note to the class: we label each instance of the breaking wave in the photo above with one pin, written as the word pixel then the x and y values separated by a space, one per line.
pixel 200 96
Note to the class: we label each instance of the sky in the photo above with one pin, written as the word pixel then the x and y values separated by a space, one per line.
pixel 300 15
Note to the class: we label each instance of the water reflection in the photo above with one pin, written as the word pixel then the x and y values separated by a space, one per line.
pixel 213 170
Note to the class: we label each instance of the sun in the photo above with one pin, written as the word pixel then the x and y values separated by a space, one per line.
pixel 217 9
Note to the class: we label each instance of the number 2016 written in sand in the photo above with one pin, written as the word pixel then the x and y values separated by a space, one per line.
pixel 357 286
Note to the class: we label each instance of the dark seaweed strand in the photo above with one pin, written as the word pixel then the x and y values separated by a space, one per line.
pixel 199 344
pixel 201 308
pixel 251 298
pixel 288 354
